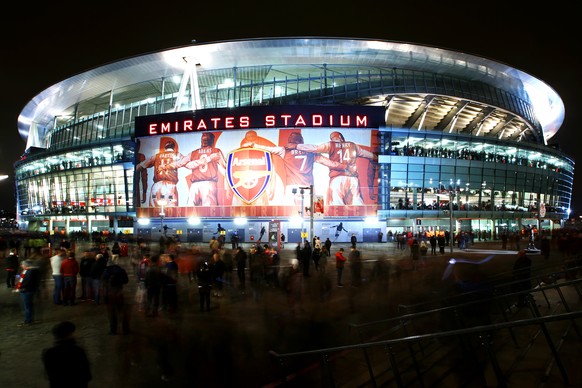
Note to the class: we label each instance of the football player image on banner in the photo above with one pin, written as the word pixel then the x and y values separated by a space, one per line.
pixel 344 185
pixel 298 165
pixel 207 166
pixel 140 179
pixel 251 173
pixel 164 179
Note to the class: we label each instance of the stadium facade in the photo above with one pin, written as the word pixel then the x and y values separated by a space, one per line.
pixel 373 136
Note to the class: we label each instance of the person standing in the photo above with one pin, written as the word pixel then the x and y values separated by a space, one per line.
pixel 316 256
pixel 56 261
pixel 340 261
pixel 353 240
pixel 433 244
pixel 328 246
pixel 112 281
pixel 12 265
pixel 70 270
pixel 66 363
pixel 85 267
pixel 97 269
pixel 27 287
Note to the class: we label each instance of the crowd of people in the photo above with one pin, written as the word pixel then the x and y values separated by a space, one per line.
pixel 101 273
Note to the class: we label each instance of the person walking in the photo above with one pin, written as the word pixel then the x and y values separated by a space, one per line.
pixel 355 259
pixel 170 284
pixel 241 262
pixel 66 363
pixel 217 267
pixel 153 284
pixel 12 265
pixel 70 270
pixel 204 277
pixel 112 281
pixel 340 261
pixel 27 287
pixel 55 262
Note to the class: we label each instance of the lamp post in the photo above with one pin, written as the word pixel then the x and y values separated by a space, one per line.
pixel 162 202
pixel 303 208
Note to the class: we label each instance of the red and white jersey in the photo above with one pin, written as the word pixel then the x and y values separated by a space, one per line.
pixel 208 170
pixel 298 167
pixel 161 159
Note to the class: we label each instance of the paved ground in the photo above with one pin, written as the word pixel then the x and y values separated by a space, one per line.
pixel 229 345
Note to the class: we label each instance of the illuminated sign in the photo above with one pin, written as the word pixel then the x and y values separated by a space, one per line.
pixel 284 116
pixel 241 165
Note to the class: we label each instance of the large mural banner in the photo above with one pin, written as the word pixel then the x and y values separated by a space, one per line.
pixel 257 171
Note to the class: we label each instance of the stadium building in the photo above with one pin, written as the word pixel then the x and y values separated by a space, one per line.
pixel 305 136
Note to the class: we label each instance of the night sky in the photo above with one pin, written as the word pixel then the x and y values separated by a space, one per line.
pixel 42 45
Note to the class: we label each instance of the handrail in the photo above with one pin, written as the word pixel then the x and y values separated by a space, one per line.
pixel 411 316
pixel 540 278
pixel 482 331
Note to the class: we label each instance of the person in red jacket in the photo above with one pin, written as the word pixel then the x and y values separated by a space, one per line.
pixel 69 270
pixel 340 261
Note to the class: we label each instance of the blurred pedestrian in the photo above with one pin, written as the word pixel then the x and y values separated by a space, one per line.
pixel 112 281
pixel 97 269
pixel 217 267
pixel 66 363
pixel 55 262
pixel 355 260
pixel 170 284
pixel 85 266
pixel 12 266
pixel 70 270
pixel 27 287
pixel 545 247
pixel 204 277
pixel 153 285
pixel 340 261
pixel 522 277
pixel 241 263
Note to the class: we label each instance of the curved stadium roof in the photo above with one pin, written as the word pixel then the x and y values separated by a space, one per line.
pixel 298 51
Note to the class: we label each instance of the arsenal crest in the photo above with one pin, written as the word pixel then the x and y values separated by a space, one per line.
pixel 249 172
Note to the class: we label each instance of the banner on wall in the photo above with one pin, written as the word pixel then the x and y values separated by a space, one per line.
pixel 241 172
